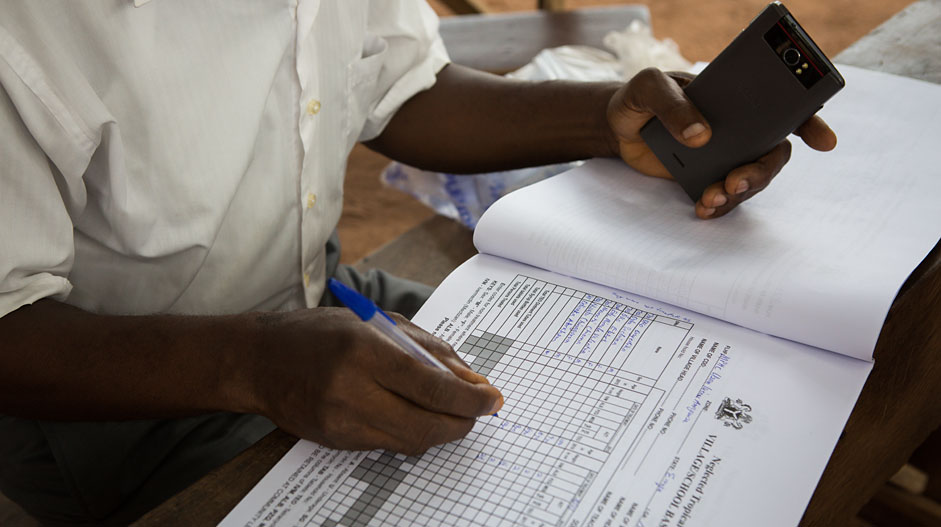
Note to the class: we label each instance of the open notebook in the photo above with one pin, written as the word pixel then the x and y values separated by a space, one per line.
pixel 657 369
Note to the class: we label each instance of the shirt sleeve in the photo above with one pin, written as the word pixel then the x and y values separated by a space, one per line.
pixel 403 41
pixel 36 240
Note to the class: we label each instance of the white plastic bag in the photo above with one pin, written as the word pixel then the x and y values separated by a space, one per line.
pixel 636 49
pixel 574 63
pixel 462 197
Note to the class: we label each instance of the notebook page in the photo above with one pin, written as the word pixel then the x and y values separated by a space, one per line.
pixel 817 257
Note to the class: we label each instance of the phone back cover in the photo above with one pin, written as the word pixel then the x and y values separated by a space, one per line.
pixel 751 100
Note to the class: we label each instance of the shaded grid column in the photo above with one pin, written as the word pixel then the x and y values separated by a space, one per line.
pixel 529 449
pixel 505 453
pixel 490 352
pixel 519 455
pixel 528 446
pixel 532 451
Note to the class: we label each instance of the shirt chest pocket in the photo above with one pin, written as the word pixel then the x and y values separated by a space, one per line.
pixel 364 85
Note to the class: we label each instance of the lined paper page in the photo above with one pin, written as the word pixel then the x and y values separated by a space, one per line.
pixel 817 257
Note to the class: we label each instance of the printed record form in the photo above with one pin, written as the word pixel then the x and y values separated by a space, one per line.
pixel 619 411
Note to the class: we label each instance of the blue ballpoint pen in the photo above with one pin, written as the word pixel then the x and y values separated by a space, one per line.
pixel 367 310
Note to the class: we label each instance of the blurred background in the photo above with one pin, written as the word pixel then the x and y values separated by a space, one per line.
pixel 373 215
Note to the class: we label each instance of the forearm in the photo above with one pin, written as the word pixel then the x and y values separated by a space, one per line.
pixel 59 362
pixel 471 122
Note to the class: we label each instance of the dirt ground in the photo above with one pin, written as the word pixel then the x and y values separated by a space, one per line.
pixel 374 215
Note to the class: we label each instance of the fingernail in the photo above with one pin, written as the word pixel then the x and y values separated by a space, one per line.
pixel 742 187
pixel 719 200
pixel 693 130
pixel 496 406
pixel 709 212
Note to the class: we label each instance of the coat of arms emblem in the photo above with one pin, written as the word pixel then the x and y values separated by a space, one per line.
pixel 734 414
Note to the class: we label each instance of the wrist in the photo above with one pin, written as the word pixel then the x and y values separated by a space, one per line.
pixel 243 379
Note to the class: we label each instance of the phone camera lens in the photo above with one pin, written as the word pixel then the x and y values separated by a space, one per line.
pixel 791 56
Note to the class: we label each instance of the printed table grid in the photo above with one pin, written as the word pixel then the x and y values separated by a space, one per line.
pixel 562 356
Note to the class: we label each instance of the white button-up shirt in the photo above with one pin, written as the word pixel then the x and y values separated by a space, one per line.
pixel 188 157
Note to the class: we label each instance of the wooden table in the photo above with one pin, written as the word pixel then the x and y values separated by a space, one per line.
pixel 896 411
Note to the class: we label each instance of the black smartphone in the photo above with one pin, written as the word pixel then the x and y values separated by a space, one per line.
pixel 764 85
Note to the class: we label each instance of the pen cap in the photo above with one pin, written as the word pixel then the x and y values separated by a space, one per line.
pixel 364 308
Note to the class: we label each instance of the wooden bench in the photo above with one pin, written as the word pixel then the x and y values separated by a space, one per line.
pixel 505 42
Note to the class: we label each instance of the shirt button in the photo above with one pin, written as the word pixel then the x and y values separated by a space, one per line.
pixel 306 280
pixel 311 200
pixel 313 107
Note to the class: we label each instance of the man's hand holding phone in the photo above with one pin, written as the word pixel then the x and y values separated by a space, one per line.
pixel 722 135
pixel 653 93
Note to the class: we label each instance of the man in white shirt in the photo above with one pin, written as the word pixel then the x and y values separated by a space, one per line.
pixel 171 175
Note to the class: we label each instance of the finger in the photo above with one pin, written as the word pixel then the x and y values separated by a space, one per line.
pixel 682 78
pixel 754 177
pixel 410 429
pixel 652 92
pixel 466 374
pixel 716 202
pixel 435 390
pixel 742 183
pixel 713 201
pixel 405 429
pixel 817 134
